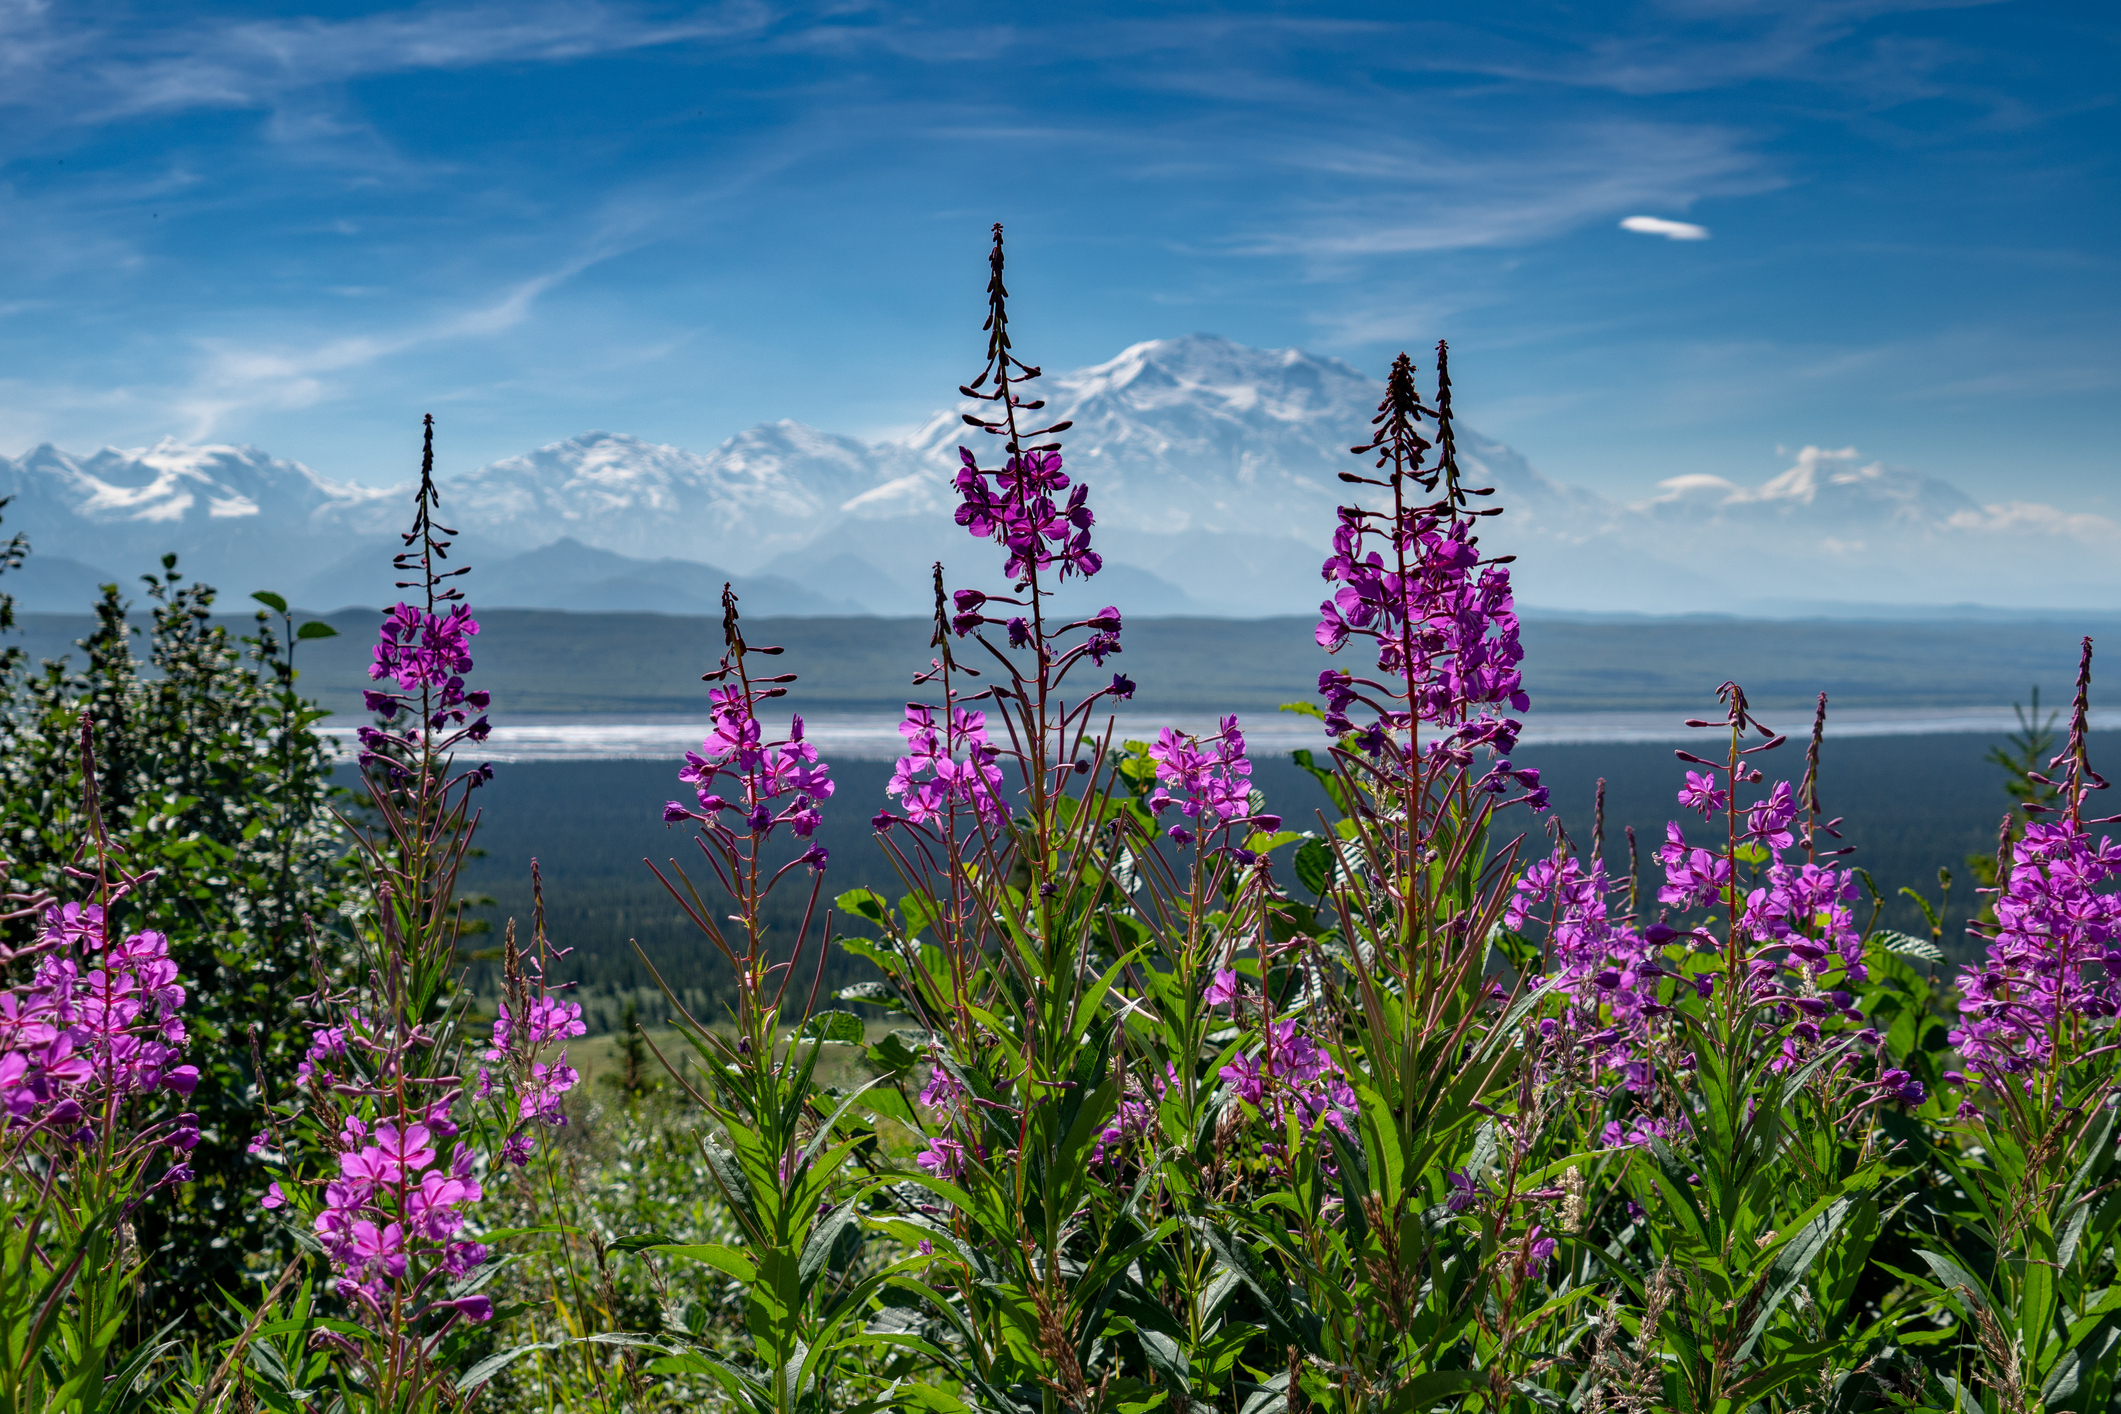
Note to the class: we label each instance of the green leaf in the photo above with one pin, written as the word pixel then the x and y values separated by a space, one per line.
pixel 892 1055
pixel 817 1248
pixel 1336 790
pixel 642 1241
pixel 1905 945
pixel 1307 709
pixel 313 1323
pixel 509 1234
pixel 864 903
pixel 1791 1265
pixel 316 628
pixel 1314 865
pixel 270 600
pixel 1953 1277
pixel 1419 1393
pixel 493 1364
pixel 713 1254
pixel 841 1028
pixel 881 994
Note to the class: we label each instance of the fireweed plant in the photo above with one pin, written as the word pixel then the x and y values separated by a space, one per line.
pixel 92 1080
pixel 1734 1080
pixel 385 1151
pixel 1199 1111
pixel 1044 1105
pixel 1415 1105
pixel 2027 1260
pixel 786 1154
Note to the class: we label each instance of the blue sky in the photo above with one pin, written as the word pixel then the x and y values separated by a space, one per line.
pixel 303 226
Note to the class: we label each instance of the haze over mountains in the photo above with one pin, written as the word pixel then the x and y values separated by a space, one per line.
pixel 1213 471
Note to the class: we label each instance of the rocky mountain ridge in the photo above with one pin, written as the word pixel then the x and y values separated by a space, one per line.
pixel 1213 469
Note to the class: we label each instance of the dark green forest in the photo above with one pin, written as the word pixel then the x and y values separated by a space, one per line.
pixel 1912 804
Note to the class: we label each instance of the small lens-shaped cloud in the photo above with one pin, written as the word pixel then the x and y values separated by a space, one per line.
pixel 1670 230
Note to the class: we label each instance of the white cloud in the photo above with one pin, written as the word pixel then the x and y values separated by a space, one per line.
pixel 97 73
pixel 1670 230
pixel 235 379
pixel 1392 195
pixel 2038 518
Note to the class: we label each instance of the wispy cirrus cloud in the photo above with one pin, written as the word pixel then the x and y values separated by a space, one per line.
pixel 104 72
pixel 1397 196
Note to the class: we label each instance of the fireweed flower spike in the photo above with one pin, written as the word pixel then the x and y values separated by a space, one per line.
pixel 769 783
pixel 95 1025
pixel 380 1154
pixel 2050 984
pixel 1790 944
pixel 748 785
pixel 1209 781
pixel 520 1068
pixel 93 1130
pixel 781 1146
pixel 1030 507
pixel 1013 887
pixel 424 652
pixel 1412 580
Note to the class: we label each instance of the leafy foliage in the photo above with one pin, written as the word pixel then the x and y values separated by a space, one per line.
pixel 209 775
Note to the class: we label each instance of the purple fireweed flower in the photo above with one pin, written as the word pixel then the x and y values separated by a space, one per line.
pixel 1222 988
pixel 1293 1074
pixel 424 650
pixel 944 1157
pixel 1606 968
pixel 1465 1192
pixel 1693 877
pixel 425 654
pixel 540 1098
pixel 1769 821
pixel 549 1019
pixel 2054 964
pixel 95 1024
pixel 1135 1119
pixel 1703 792
pixel 1899 1086
pixel 1449 627
pixel 1440 616
pixel 1805 909
pixel 393 1215
pixel 948 766
pixel 778 782
pixel 1210 781
pixel 1019 511
pixel 1639 1130
pixel 942 1088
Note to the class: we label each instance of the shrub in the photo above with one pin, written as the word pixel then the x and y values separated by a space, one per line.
pixel 210 779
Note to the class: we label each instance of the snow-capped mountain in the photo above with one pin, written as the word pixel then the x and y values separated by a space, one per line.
pixel 227 506
pixel 762 492
pixel 1213 469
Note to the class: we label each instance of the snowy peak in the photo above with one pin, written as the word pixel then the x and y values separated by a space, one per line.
pixel 760 493
pixel 1197 435
pixel 173 483
pixel 1219 376
pixel 1212 470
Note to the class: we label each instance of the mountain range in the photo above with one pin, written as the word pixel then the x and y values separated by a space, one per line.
pixel 1213 470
